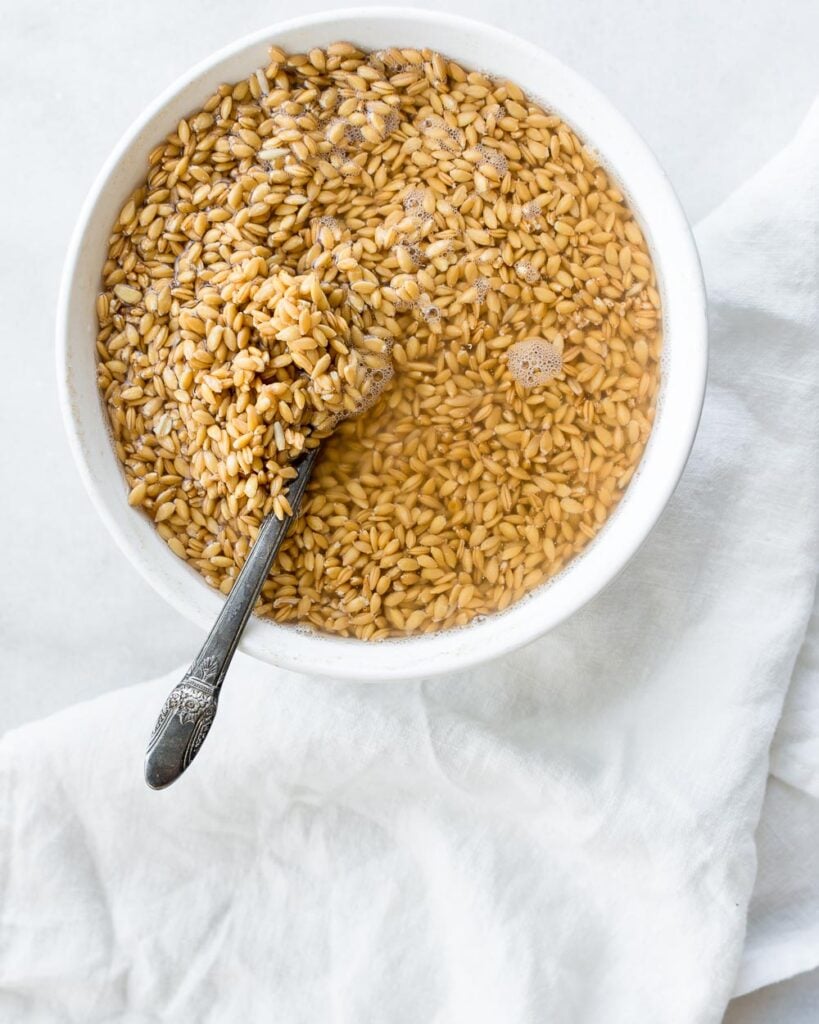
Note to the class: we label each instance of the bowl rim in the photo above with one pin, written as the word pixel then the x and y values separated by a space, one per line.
pixel 345 658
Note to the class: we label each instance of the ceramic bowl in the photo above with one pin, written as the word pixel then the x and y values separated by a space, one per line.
pixel 478 46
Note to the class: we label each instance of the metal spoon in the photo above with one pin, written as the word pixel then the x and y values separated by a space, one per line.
pixel 188 713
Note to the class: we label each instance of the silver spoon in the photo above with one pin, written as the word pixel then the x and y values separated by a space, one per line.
pixel 188 712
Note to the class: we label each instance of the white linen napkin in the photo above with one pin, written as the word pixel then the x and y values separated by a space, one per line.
pixel 563 836
pixel 783 924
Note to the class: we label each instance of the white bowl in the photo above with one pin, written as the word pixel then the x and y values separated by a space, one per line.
pixel 477 46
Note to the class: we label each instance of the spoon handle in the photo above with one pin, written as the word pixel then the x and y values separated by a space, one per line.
pixel 188 712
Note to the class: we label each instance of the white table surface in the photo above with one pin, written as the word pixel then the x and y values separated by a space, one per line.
pixel 715 88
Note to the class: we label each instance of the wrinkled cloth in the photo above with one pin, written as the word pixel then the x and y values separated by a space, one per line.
pixel 783 924
pixel 566 835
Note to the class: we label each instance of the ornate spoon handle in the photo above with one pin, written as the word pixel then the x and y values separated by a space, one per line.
pixel 188 712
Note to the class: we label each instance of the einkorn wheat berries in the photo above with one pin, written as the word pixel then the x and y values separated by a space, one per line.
pixel 390 232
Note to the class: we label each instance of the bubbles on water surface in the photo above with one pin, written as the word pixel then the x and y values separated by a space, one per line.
pixel 431 314
pixel 494 158
pixel 531 212
pixel 534 361
pixel 445 136
pixel 527 271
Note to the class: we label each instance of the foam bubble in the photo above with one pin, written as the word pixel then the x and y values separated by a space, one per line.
pixel 390 122
pixel 494 158
pixel 371 382
pixel 414 205
pixel 375 380
pixel 446 136
pixel 431 314
pixel 527 271
pixel 481 286
pixel 414 252
pixel 414 200
pixel 340 159
pixel 534 361
pixel 455 134
pixel 531 211
pixel 351 134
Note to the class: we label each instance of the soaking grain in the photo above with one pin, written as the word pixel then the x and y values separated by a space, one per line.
pixel 388 231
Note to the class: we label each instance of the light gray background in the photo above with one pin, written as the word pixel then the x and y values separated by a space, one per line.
pixel 714 87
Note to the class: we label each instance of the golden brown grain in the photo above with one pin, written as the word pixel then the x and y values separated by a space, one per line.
pixel 329 212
